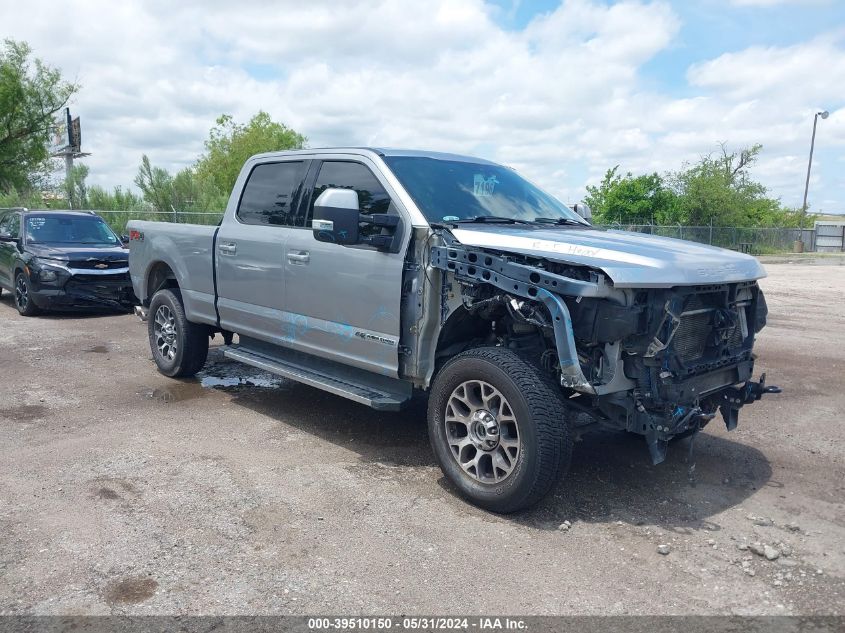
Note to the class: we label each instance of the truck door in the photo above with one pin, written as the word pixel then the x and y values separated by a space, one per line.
pixel 342 302
pixel 250 251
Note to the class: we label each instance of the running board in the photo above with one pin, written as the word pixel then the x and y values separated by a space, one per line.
pixel 379 392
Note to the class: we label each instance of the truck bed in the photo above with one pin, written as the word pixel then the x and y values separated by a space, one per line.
pixel 187 250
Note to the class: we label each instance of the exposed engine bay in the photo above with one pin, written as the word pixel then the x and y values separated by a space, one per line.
pixel 660 362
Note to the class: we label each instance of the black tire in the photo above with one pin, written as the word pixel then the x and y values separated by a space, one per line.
pixel 186 353
pixel 545 439
pixel 23 296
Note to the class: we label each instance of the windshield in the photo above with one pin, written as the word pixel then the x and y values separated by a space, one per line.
pixel 454 191
pixel 69 229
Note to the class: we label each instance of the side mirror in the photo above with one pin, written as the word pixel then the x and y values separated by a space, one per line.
pixel 6 237
pixel 124 239
pixel 584 211
pixel 336 217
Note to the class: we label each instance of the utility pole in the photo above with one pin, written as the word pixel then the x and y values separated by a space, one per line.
pixel 799 243
pixel 67 144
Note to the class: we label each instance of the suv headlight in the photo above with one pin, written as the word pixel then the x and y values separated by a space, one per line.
pixel 49 269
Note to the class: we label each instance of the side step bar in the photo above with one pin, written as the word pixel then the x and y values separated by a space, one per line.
pixel 378 392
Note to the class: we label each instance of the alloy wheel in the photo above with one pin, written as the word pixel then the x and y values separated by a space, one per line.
pixel 482 431
pixel 21 293
pixel 164 331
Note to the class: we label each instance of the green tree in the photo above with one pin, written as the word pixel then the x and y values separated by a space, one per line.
pixel 631 199
pixel 163 191
pixel 31 93
pixel 230 144
pixel 28 198
pixel 156 185
pixel 721 190
pixel 206 185
pixel 75 187
pixel 118 199
pixel 717 189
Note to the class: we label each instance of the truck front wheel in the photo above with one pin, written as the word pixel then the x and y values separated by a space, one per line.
pixel 498 428
pixel 179 347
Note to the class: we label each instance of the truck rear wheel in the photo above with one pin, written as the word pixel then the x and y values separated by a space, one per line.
pixel 498 428
pixel 179 347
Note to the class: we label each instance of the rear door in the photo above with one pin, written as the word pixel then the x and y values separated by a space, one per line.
pixel 250 250
pixel 343 302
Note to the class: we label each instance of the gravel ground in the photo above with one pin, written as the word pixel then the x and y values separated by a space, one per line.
pixel 122 491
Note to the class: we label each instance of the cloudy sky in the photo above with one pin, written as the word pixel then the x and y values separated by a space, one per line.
pixel 560 91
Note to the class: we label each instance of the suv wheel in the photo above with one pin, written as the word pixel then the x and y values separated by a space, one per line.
pixel 23 301
pixel 498 428
pixel 179 347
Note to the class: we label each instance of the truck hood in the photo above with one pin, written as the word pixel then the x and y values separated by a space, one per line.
pixel 632 260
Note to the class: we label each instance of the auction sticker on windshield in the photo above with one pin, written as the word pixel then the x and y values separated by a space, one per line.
pixel 483 187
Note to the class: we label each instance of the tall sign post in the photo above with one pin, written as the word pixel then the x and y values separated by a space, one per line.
pixel 67 144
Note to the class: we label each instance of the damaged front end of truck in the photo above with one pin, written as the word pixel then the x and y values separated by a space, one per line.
pixel 657 361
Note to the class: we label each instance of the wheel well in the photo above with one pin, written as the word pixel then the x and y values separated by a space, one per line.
pixel 460 331
pixel 160 276
pixel 492 325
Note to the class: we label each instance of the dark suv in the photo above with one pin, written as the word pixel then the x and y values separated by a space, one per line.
pixel 62 260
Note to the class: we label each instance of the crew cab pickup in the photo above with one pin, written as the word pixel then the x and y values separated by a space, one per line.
pixel 377 274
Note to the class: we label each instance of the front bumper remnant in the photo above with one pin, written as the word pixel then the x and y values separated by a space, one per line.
pixel 690 420
pixel 81 293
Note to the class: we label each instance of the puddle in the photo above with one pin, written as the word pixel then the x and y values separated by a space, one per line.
pixel 268 381
pixel 97 349
pixel 131 590
pixel 224 375
pixel 230 374
pixel 176 392
pixel 24 412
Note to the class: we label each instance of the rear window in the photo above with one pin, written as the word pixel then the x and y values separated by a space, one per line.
pixel 271 194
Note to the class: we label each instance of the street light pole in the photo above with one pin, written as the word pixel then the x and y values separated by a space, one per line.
pixel 799 243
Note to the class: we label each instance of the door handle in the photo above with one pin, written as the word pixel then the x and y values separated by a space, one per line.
pixel 228 249
pixel 301 257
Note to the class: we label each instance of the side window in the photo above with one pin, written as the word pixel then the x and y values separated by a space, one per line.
pixel 11 224
pixel 271 193
pixel 3 218
pixel 346 175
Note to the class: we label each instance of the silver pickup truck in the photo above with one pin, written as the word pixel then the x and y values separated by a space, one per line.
pixel 377 274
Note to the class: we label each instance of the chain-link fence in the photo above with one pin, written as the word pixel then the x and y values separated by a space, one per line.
pixel 756 240
pixel 747 239
pixel 118 219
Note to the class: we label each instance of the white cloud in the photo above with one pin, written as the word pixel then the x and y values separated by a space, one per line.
pixel 773 3
pixel 562 99
pixel 801 73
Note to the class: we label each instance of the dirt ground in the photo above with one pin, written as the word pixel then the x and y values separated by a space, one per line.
pixel 122 491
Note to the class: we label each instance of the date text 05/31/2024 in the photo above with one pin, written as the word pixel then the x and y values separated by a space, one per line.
pixel 416 623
